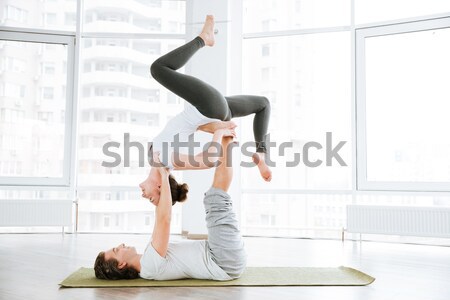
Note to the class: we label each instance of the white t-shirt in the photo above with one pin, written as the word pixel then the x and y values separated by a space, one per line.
pixel 185 123
pixel 184 259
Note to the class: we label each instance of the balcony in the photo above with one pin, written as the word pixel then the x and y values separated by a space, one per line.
pixel 114 27
pixel 120 104
pixel 117 53
pixel 104 206
pixel 115 78
pixel 112 180
pixel 92 153
pixel 116 129
pixel 133 7
pixel 96 154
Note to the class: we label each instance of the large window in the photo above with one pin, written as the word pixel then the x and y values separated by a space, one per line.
pixel 294 215
pixel 378 90
pixel 309 103
pixel 297 54
pixel 403 106
pixel 39 14
pixel 275 15
pixel 120 104
pixel 35 96
pixel 117 103
pixel 382 89
pixel 122 108
pixel 37 108
pixel 154 16
pixel 371 11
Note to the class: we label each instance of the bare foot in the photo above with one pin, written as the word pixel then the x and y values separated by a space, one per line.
pixel 258 159
pixel 208 31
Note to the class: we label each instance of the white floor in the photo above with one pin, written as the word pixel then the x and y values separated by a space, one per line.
pixel 32 265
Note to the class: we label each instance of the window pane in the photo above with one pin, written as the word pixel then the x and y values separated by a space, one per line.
pixel 120 98
pixel 54 15
pixel 308 99
pixel 407 107
pixel 119 211
pixel 323 215
pixel 121 103
pixel 137 16
pixel 273 15
pixel 294 215
pixel 33 194
pixel 32 106
pixel 368 11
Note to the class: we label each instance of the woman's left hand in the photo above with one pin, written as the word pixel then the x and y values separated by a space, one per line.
pixel 226 132
pixel 164 172
pixel 159 166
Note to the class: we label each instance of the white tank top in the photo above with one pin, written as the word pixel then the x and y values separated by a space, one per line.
pixel 184 124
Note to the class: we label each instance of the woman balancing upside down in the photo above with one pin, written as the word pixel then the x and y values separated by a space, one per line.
pixel 205 109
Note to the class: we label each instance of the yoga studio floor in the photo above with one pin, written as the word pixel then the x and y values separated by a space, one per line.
pixel 32 265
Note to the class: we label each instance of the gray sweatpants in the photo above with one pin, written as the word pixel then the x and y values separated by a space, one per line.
pixel 224 238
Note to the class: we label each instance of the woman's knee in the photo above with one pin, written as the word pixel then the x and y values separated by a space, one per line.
pixel 265 102
pixel 241 263
pixel 155 69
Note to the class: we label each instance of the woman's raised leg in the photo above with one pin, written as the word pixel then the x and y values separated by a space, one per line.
pixel 208 100
pixel 244 105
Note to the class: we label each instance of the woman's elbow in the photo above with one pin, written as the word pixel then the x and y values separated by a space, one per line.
pixel 211 160
pixel 205 160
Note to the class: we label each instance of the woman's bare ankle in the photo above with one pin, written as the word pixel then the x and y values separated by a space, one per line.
pixel 207 33
pixel 259 159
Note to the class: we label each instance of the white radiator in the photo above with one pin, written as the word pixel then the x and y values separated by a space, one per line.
pixel 35 212
pixel 399 220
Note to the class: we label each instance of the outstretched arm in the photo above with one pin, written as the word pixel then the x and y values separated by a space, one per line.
pixel 224 172
pixel 163 212
pixel 206 159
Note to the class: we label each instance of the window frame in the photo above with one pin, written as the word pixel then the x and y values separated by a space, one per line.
pixel 363 184
pixel 60 38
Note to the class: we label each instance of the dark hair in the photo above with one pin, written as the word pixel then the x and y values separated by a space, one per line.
pixel 109 269
pixel 178 191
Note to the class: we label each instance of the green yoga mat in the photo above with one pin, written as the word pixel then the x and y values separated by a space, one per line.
pixel 253 276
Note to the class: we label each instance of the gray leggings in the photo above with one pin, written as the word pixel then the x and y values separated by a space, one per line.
pixel 224 238
pixel 208 100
